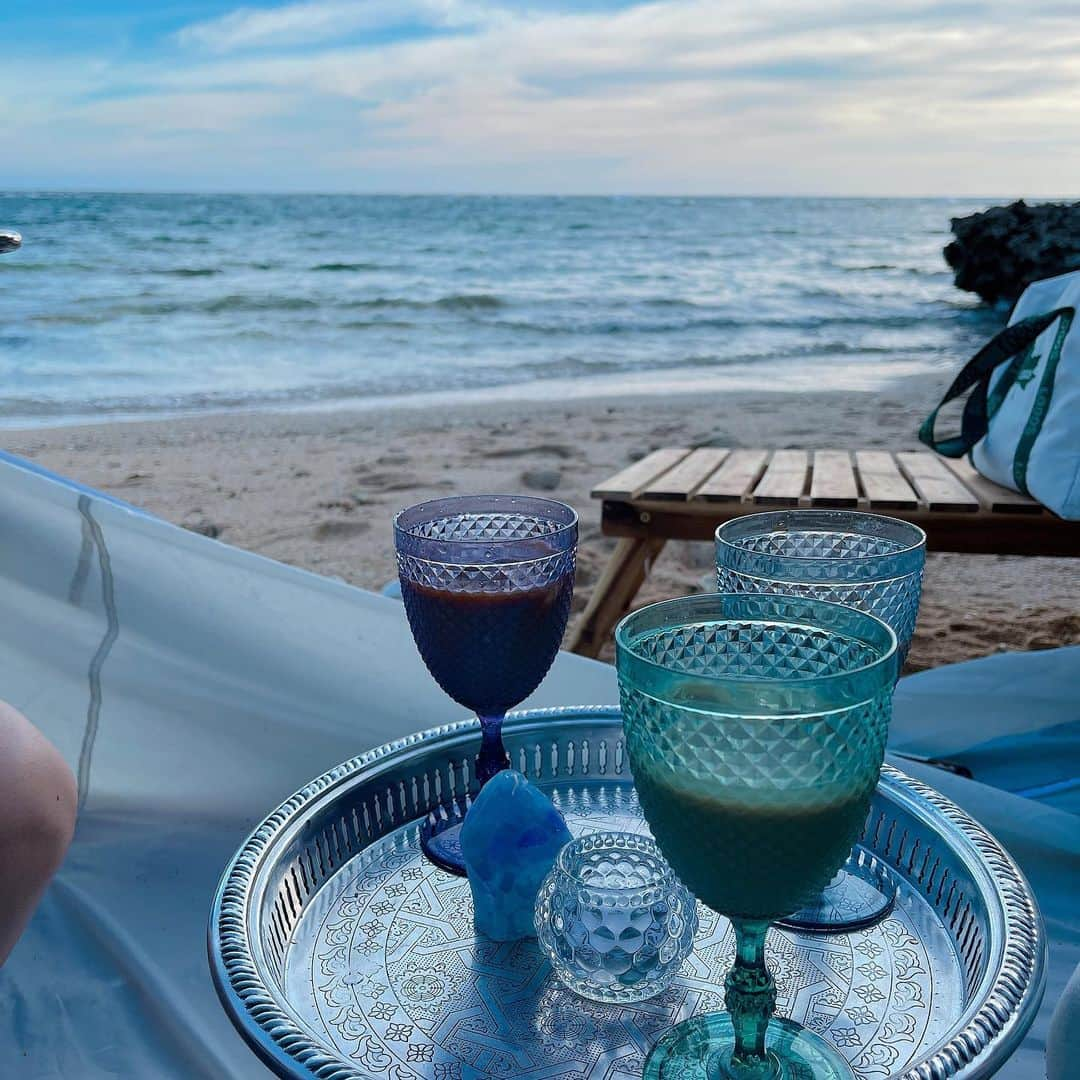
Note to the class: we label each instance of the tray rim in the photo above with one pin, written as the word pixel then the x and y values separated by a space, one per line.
pixel 991 1028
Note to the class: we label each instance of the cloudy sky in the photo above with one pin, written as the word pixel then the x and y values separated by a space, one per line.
pixel 590 96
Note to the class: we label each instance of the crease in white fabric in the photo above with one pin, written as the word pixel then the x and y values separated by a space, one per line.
pixel 82 567
pixel 97 661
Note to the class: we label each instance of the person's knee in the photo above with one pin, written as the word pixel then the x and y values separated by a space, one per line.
pixel 38 796
pixel 38 800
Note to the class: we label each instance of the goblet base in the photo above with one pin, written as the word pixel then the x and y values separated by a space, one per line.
pixel 860 896
pixel 700 1049
pixel 440 837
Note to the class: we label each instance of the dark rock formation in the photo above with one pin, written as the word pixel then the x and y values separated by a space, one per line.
pixel 998 253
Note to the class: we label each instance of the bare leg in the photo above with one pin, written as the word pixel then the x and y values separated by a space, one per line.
pixel 37 818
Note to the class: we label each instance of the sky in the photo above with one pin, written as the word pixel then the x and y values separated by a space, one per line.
pixel 902 97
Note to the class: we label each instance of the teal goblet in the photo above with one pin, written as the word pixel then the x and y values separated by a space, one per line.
pixel 755 728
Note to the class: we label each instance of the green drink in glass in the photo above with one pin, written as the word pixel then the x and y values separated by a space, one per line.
pixel 755 727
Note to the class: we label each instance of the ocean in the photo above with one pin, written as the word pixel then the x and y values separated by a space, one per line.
pixel 134 306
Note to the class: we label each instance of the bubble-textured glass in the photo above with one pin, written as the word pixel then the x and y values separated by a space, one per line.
pixel 865 561
pixel 614 920
pixel 487 582
pixel 755 728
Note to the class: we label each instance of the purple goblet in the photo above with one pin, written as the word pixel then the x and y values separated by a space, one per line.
pixel 487 582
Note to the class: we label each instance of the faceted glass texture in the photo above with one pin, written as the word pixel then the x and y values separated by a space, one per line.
pixel 487 582
pixel 501 525
pixel 864 561
pixel 755 729
pixel 613 919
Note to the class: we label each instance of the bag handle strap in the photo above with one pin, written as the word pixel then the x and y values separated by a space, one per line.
pixel 976 373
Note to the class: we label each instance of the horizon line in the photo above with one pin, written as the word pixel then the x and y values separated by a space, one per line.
pixel 482 194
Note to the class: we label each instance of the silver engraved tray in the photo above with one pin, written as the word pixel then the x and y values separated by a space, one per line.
pixel 339 952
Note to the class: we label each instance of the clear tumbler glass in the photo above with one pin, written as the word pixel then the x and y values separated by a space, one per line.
pixel 865 561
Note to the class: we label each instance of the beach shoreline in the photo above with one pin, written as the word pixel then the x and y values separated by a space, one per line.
pixel 792 374
pixel 317 488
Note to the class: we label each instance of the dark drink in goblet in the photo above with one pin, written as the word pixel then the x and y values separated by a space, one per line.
pixel 485 647
pixel 487 582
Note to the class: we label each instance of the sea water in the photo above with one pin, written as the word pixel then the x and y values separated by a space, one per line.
pixel 146 305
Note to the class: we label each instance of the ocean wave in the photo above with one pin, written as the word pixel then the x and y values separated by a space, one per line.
pixel 35 408
pixel 376 324
pixel 345 267
pixel 451 302
pixel 377 302
pixel 166 238
pixel 469 302
pixel 662 302
pixel 239 302
pixel 618 327
pixel 222 305
pixel 15 266
pixel 822 351
pixel 68 318
pixel 909 271
pixel 187 272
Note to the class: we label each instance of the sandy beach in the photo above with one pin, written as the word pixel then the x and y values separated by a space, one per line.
pixel 318 489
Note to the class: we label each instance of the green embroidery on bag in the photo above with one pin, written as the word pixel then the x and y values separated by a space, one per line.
pixel 1027 369
pixel 1008 377
pixel 1041 405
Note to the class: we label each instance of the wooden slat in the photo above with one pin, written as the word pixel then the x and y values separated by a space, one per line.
pixel 937 487
pixel 627 483
pixel 613 594
pixel 735 478
pixel 784 479
pixel 994 497
pixel 883 484
pixel 974 534
pixel 685 478
pixel 832 481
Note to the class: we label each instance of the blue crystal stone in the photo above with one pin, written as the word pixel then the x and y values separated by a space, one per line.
pixel 509 841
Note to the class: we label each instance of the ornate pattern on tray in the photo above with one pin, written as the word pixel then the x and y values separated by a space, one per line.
pixel 341 952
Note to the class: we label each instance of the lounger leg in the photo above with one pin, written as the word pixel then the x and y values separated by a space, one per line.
pixel 614 593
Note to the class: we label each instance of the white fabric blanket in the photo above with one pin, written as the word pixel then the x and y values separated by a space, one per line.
pixel 192 687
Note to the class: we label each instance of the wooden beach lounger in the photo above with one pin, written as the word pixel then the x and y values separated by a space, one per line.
pixel 681 494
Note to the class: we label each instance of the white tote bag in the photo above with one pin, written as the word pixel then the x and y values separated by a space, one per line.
pixel 1021 421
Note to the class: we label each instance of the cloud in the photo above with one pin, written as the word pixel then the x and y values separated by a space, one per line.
pixel 165 114
pixel 668 95
pixel 303 24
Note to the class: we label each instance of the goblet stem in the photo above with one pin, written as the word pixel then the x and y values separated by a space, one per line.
pixel 493 757
pixel 750 997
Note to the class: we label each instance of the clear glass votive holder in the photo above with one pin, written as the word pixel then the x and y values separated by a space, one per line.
pixel 613 919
